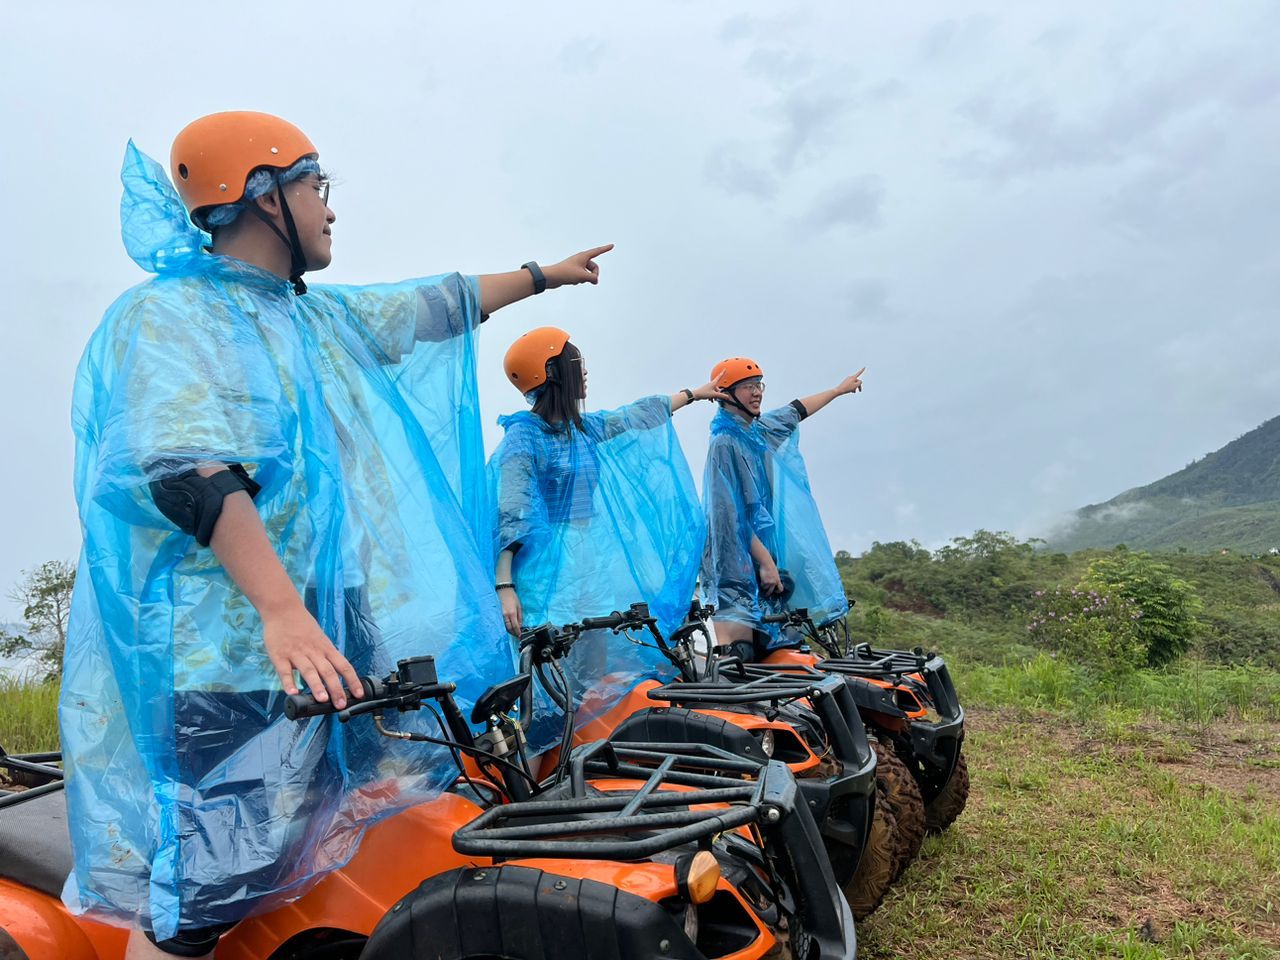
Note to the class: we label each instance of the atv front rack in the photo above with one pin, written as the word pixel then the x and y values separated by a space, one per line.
pixel 632 824
pixel 628 824
pixel 34 765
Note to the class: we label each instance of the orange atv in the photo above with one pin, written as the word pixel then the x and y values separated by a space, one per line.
pixel 809 723
pixel 697 856
pixel 907 700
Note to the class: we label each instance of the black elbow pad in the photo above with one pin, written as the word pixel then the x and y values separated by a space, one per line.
pixel 193 503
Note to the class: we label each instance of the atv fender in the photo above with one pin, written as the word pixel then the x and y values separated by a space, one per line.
pixel 526 914
pixel 40 927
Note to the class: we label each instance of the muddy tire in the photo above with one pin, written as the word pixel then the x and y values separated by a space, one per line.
pixel 878 866
pixel 897 788
pixel 947 805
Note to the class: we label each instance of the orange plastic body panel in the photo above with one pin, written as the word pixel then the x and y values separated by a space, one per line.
pixel 655 882
pixel 395 856
pixel 46 930
pixel 790 658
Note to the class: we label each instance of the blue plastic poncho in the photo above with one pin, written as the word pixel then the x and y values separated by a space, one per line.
pixel 192 800
pixel 756 484
pixel 605 516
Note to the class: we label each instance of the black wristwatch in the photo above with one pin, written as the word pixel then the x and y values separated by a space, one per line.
pixel 539 278
pixel 688 393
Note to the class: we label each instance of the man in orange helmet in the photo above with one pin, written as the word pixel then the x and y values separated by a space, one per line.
pixel 766 547
pixel 274 482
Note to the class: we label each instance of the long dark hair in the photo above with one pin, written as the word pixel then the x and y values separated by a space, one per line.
pixel 559 402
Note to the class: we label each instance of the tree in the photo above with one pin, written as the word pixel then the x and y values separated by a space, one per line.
pixel 45 596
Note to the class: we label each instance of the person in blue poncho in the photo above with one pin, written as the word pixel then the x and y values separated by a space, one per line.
pixel 274 481
pixel 595 511
pixel 766 547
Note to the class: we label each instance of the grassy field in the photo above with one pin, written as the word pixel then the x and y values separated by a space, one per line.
pixel 28 716
pixel 1132 820
pixel 1100 840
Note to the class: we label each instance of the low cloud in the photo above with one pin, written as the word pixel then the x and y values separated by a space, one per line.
pixel 582 55
pixel 729 166
pixel 855 203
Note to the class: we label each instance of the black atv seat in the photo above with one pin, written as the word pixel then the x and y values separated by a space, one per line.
pixel 35 846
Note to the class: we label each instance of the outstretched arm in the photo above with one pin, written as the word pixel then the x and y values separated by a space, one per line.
pixel 497 290
pixel 708 391
pixel 814 403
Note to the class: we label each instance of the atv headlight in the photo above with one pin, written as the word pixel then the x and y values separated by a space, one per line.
pixel 766 743
pixel 691 923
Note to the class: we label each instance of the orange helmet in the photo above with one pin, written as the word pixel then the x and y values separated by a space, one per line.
pixel 526 361
pixel 213 156
pixel 726 373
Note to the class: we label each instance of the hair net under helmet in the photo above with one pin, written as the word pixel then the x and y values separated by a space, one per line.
pixel 260 183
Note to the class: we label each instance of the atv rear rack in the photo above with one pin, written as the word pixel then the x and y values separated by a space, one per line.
pixel 735 684
pixel 897 666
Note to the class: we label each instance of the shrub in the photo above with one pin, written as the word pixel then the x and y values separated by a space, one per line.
pixel 1169 606
pixel 1095 628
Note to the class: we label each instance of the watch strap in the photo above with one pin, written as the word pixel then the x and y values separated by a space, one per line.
pixel 539 278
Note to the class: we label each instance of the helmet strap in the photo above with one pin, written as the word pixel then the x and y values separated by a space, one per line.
pixel 298 264
pixel 733 399
pixel 297 260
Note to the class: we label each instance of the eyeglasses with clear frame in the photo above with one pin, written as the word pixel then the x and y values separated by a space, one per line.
pixel 321 186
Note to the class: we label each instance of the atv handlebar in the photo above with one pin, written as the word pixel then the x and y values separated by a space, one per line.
pixel 611 622
pixel 635 616
pixel 799 617
pixel 413 682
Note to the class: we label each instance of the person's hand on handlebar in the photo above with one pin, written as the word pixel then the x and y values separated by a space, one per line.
pixel 512 612
pixel 769 577
pixel 294 641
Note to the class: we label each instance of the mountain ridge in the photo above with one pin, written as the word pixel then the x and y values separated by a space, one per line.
pixel 1228 499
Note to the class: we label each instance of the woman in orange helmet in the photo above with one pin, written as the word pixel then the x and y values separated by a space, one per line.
pixel 273 481
pixel 765 543
pixel 595 511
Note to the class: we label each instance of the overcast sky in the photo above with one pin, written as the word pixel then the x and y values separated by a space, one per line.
pixel 1046 229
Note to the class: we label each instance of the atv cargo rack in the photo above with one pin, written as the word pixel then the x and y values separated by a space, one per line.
pixel 716 793
pixel 31 766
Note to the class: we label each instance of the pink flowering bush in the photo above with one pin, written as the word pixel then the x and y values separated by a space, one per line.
pixel 1097 628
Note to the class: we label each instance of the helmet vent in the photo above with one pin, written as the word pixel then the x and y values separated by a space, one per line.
pixel 182 171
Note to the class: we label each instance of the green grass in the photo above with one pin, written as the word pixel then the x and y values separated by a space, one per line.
pixel 1188 692
pixel 28 716
pixel 1071 844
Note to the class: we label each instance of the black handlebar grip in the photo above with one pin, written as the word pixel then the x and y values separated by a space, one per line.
pixel 299 706
pixel 775 618
pixel 602 623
